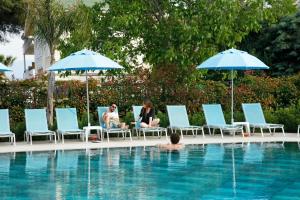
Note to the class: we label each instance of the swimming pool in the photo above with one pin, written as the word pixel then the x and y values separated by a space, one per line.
pixel 248 171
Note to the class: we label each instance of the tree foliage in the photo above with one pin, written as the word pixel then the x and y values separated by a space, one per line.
pixel 278 45
pixel 51 21
pixel 177 33
pixel 7 60
pixel 11 17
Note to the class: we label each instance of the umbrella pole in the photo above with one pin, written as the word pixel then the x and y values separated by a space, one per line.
pixel 232 120
pixel 87 98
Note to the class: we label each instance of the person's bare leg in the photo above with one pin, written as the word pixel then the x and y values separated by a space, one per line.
pixel 155 123
pixel 106 121
pixel 144 125
pixel 123 125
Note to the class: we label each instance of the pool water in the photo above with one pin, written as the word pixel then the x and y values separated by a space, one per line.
pixel 240 171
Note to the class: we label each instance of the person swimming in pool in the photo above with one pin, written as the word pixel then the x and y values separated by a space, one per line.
pixel 175 145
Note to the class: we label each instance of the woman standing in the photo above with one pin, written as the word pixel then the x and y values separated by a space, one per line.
pixel 147 115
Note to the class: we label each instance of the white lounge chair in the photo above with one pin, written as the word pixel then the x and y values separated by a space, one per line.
pixel 139 129
pixel 255 116
pixel 101 111
pixel 67 123
pixel 179 120
pixel 5 126
pixel 36 124
pixel 215 120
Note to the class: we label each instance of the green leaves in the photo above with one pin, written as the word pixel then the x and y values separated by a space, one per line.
pixel 51 20
pixel 278 45
pixel 11 17
pixel 181 33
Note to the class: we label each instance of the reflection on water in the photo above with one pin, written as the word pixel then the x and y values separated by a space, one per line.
pixel 243 171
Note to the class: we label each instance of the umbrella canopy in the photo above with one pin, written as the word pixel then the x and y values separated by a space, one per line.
pixel 233 59
pixel 3 68
pixel 85 60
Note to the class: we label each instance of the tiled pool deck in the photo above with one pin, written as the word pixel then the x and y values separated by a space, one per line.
pixel 151 141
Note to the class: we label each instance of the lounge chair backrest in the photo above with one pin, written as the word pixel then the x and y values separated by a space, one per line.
pixel 253 113
pixel 178 116
pixel 136 114
pixel 36 120
pixel 101 110
pixel 66 119
pixel 4 121
pixel 213 114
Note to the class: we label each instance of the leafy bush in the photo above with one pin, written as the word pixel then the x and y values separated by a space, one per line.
pixel 164 120
pixel 278 96
pixel 289 116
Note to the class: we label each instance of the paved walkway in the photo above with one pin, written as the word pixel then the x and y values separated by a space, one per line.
pixel 151 141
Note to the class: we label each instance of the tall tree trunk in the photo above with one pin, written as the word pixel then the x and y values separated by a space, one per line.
pixel 51 84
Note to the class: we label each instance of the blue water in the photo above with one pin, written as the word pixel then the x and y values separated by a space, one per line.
pixel 249 171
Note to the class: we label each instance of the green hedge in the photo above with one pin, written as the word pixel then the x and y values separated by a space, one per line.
pixel 278 96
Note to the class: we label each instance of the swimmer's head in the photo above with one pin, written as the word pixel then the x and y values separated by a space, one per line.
pixel 174 137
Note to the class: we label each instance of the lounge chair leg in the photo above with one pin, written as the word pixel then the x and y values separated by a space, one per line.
pixel 144 135
pixel 107 134
pixel 271 131
pixel 202 129
pixel 166 134
pixel 213 131
pixel 262 133
pixel 221 133
pixel 130 135
pixel 209 131
pixel 123 135
pixel 62 138
pixel 283 131
pixel 181 134
pixel 30 139
pixel 243 133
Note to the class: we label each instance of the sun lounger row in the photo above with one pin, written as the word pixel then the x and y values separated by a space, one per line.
pixel 67 123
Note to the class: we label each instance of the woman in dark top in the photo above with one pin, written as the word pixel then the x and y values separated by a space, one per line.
pixel 147 115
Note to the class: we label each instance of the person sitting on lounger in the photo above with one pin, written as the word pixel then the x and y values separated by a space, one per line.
pixel 175 145
pixel 147 115
pixel 111 118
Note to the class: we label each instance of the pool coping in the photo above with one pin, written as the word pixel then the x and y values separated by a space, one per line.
pixel 5 147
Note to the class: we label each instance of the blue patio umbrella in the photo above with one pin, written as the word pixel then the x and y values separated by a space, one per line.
pixel 3 68
pixel 85 60
pixel 232 59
